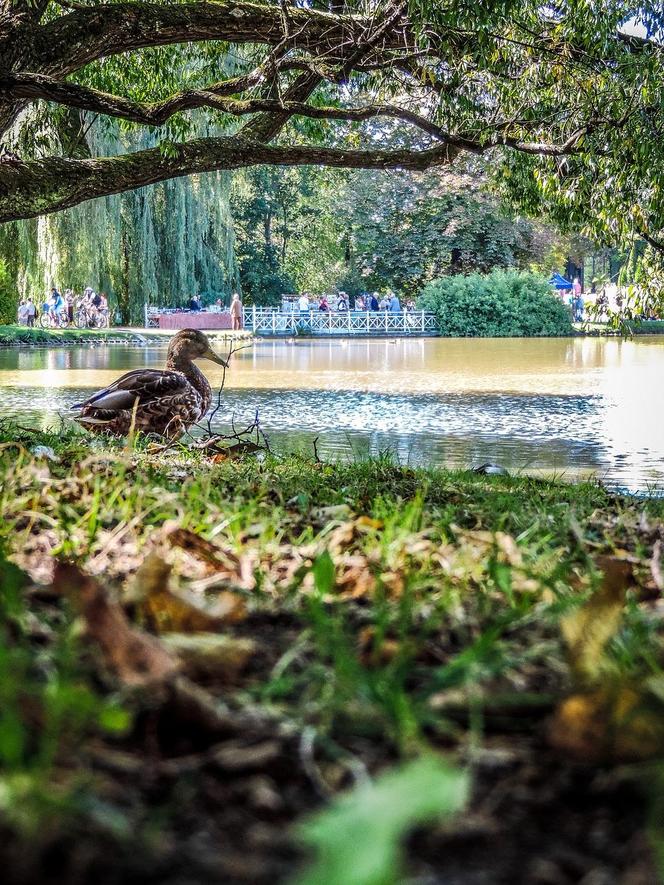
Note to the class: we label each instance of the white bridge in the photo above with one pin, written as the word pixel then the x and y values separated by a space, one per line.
pixel 267 321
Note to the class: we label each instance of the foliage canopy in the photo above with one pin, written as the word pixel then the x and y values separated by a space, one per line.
pixel 567 98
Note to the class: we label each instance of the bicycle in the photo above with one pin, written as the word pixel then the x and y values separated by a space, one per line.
pixel 86 318
pixel 48 320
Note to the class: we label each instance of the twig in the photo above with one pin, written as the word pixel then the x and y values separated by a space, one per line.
pixel 231 352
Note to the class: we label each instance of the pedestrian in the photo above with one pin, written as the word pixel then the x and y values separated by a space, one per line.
pixel 394 305
pixel 303 302
pixel 373 301
pixel 194 303
pixel 359 303
pixel 236 311
pixel 103 308
pixel 31 312
pixel 322 304
pixel 342 301
pixel 69 305
pixel 23 312
pixel 578 308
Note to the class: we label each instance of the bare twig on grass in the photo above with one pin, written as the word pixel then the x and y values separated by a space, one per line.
pixel 241 440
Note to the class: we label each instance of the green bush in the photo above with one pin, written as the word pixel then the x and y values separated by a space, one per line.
pixel 8 295
pixel 503 303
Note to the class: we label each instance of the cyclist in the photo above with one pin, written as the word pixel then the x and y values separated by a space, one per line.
pixel 55 306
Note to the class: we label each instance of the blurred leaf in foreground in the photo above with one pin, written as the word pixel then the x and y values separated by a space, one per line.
pixel 358 839
pixel 590 628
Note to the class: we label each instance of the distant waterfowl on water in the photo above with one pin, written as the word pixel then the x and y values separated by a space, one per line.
pixel 162 401
pixel 491 470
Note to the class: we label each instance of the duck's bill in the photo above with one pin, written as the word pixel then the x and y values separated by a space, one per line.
pixel 215 358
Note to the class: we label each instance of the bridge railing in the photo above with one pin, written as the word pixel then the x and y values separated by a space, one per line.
pixel 266 321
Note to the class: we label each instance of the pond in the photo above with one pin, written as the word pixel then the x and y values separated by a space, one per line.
pixel 574 406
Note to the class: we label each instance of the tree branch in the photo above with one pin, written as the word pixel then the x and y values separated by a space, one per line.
pixel 43 186
pixel 85 35
pixel 38 86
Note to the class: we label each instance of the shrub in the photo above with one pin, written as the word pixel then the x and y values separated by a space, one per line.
pixel 503 303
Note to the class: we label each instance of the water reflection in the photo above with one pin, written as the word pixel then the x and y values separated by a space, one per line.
pixel 569 405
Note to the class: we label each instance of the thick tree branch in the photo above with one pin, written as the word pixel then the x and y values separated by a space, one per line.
pixel 85 35
pixel 37 86
pixel 42 186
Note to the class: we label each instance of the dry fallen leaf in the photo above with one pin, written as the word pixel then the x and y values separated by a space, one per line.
pixel 611 724
pixel 588 629
pixel 372 654
pixel 165 610
pixel 217 561
pixel 133 656
pixel 211 654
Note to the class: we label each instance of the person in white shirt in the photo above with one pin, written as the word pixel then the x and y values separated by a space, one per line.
pixel 303 302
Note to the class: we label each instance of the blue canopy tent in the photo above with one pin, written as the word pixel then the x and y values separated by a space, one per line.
pixel 559 282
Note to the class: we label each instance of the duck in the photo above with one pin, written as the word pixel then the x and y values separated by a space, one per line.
pixel 491 470
pixel 165 401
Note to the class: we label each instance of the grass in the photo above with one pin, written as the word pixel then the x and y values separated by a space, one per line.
pixel 389 612
pixel 16 335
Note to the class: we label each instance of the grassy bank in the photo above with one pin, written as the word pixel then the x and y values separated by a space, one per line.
pixel 199 654
pixel 20 335
pixel 15 335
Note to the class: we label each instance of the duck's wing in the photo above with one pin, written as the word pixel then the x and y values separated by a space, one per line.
pixel 144 385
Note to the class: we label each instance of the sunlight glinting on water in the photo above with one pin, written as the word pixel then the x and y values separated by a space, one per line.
pixel 574 406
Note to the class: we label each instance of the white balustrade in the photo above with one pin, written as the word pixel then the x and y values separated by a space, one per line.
pixel 266 321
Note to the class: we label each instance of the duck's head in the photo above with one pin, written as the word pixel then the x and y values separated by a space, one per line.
pixel 190 344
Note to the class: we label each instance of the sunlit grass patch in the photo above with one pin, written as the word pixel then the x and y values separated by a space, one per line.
pixel 341 616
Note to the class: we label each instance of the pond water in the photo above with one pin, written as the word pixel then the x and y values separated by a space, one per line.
pixel 572 406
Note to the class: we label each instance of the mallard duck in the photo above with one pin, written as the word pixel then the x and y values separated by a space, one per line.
pixel 163 401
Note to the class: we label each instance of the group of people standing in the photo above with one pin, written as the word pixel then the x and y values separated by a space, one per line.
pixel 62 310
pixel 370 301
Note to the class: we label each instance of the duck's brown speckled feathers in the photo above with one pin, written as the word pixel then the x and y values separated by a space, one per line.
pixel 162 401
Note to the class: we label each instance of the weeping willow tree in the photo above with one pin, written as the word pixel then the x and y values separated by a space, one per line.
pixel 155 245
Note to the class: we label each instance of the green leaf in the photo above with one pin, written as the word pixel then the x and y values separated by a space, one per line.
pixel 324 573
pixel 357 840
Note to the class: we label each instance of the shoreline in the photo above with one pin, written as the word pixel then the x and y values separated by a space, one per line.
pixel 22 336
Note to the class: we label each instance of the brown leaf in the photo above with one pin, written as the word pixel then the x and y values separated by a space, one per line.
pixel 217 560
pixel 133 656
pixel 165 610
pixel 211 654
pixel 612 724
pixel 372 654
pixel 588 629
